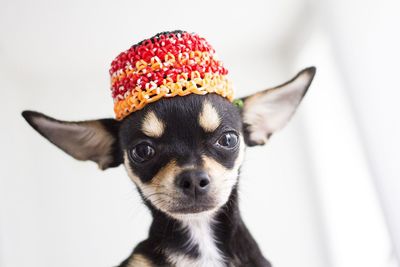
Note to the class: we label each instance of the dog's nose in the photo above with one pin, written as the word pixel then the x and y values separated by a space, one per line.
pixel 193 183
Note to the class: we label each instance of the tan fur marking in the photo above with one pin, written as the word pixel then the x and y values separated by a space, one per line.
pixel 223 179
pixel 138 260
pixel 152 126
pixel 165 176
pixel 209 119
pixel 160 191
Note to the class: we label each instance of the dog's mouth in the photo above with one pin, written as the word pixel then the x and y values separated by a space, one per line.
pixel 191 208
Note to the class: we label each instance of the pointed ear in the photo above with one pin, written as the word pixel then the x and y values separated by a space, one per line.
pixel 95 140
pixel 267 111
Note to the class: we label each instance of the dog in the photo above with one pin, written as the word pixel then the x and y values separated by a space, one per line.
pixel 184 155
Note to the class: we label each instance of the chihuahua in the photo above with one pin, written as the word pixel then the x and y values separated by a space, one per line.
pixel 184 155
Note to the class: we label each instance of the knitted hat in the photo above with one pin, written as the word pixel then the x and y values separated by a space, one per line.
pixel 168 64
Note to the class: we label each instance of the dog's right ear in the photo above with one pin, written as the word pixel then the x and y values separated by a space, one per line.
pixel 267 111
pixel 95 140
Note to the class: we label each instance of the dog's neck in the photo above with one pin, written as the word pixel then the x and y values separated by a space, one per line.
pixel 208 241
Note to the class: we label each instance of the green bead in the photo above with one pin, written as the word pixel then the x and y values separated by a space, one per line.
pixel 238 103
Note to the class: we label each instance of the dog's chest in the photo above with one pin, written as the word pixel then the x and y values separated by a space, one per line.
pixel 200 235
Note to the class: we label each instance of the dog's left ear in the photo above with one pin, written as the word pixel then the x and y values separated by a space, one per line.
pixel 95 140
pixel 267 111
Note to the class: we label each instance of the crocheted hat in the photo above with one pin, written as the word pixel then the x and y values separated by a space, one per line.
pixel 168 64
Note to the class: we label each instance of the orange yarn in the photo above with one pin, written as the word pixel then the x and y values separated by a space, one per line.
pixel 137 99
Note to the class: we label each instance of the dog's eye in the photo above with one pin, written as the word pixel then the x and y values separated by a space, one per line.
pixel 142 152
pixel 228 140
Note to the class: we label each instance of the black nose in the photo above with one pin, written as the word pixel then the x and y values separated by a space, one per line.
pixel 193 183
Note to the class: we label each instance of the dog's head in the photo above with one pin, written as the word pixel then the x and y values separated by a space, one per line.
pixel 183 153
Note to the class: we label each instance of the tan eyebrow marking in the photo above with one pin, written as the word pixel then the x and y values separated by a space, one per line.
pixel 152 126
pixel 209 119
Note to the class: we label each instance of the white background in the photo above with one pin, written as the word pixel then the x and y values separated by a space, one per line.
pixel 323 192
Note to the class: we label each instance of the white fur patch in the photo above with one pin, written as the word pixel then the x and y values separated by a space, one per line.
pixel 152 126
pixel 209 119
pixel 201 235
